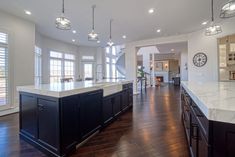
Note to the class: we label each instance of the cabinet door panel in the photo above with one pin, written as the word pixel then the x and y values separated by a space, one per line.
pixel 107 109
pixel 69 121
pixel 202 145
pixel 28 115
pixel 125 98
pixel 48 125
pixel 91 113
pixel 117 104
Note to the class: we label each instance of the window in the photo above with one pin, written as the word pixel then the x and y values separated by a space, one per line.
pixel 111 57
pixel 69 69
pixel 87 57
pixel 61 66
pixel 3 69
pixel 38 66
pixel 88 71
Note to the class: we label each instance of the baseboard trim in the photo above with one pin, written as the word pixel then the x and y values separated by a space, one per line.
pixel 9 111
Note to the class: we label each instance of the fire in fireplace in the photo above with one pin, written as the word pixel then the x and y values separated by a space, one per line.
pixel 158 80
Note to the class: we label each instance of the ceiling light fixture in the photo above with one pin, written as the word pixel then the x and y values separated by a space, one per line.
pixel 204 23
pixel 74 31
pixel 98 41
pixel 73 40
pixel 124 36
pixel 228 10
pixel 172 50
pixel 151 11
pixel 110 42
pixel 158 31
pixel 27 12
pixel 93 36
pixel 213 29
pixel 62 22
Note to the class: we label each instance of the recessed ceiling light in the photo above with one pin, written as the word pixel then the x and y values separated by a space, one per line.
pixel 172 50
pixel 27 12
pixel 98 41
pixel 204 23
pixel 124 36
pixel 73 40
pixel 158 30
pixel 151 11
pixel 74 31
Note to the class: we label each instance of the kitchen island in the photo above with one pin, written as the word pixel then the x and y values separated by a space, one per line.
pixel 208 115
pixel 58 117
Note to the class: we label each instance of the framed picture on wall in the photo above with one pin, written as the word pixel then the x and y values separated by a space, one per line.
pixel 158 66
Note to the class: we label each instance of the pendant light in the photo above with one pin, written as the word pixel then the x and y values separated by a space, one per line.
pixel 93 36
pixel 110 42
pixel 213 29
pixel 62 22
pixel 228 10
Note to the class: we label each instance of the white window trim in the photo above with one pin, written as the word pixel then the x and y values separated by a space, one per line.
pixel 62 63
pixel 10 90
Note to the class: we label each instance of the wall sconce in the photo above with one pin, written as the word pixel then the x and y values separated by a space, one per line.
pixel 166 66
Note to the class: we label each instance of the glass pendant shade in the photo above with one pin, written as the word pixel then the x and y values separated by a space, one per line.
pixel 93 36
pixel 110 43
pixel 213 30
pixel 228 10
pixel 63 23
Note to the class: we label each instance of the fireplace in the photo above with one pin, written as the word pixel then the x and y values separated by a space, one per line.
pixel 158 80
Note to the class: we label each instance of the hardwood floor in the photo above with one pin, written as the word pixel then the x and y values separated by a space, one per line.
pixel 152 128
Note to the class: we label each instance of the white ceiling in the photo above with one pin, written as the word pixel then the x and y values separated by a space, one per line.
pixel 130 17
pixel 177 47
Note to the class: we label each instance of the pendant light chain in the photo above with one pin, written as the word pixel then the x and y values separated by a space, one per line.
pixel 93 17
pixel 212 10
pixel 63 6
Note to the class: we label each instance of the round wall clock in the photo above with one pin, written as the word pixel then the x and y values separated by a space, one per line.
pixel 199 59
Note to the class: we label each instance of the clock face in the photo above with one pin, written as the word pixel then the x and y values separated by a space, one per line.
pixel 199 59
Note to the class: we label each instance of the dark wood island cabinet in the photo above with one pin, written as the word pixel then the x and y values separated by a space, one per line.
pixel 57 125
pixel 206 138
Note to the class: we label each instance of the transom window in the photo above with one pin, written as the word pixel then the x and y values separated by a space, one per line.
pixel 61 66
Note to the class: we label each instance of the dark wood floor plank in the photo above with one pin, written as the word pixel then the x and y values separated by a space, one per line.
pixel 151 129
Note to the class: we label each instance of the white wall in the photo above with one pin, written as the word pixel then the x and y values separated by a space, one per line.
pixel 48 44
pixel 198 42
pixel 131 49
pixel 21 53
pixel 184 66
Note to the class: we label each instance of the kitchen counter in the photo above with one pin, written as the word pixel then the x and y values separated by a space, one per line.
pixel 215 99
pixel 60 90
pixel 57 118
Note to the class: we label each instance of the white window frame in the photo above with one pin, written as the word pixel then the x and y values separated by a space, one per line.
pixel 63 60
pixel 109 55
pixel 8 89
pixel 38 65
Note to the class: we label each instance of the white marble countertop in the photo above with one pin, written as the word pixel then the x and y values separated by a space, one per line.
pixel 215 99
pixel 59 90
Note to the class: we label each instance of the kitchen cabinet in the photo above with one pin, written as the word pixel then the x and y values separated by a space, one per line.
pixel 48 124
pixel 206 138
pixel 56 125
pixel 90 113
pixel 28 120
